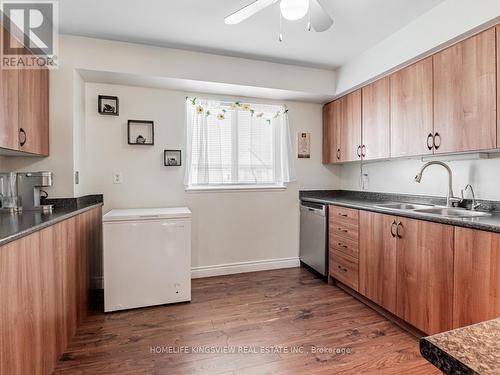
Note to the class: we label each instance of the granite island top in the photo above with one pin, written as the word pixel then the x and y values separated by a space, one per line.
pixel 15 226
pixel 368 201
pixel 474 349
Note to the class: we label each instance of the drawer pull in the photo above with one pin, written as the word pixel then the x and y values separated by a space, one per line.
pixel 342 269
pixel 341 245
pixel 342 230
pixel 344 215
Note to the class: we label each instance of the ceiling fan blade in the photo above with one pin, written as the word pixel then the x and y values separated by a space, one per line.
pixel 320 20
pixel 247 11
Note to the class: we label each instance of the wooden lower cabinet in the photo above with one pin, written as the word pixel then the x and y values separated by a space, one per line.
pixel 477 277
pixel 424 295
pixel 406 267
pixel 377 259
pixel 44 280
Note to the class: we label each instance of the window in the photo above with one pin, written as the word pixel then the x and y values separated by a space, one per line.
pixel 233 144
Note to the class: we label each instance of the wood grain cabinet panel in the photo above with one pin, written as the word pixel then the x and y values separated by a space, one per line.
pixel 376 120
pixel 477 277
pixel 344 268
pixel 9 132
pixel 411 109
pixel 329 135
pixel 34 111
pixel 377 258
pixel 44 294
pixel 424 275
pixel 498 84
pixel 465 95
pixel 350 128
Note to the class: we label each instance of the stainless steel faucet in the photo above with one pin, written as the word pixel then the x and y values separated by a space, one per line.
pixel 450 198
pixel 475 205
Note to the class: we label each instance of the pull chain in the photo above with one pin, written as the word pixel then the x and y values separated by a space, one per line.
pixel 280 38
pixel 309 19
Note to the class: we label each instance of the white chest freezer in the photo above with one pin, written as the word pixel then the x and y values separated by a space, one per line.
pixel 147 257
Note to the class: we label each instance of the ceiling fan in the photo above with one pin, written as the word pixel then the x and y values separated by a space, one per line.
pixel 291 10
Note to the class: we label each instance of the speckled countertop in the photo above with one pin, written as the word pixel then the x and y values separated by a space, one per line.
pixel 474 349
pixel 15 226
pixel 369 200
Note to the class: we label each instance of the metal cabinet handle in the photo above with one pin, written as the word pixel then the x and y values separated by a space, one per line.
pixel 338 154
pixel 399 225
pixel 436 136
pixel 344 215
pixel 359 151
pixel 393 233
pixel 431 139
pixel 363 151
pixel 22 137
pixel 342 230
pixel 342 245
pixel 342 268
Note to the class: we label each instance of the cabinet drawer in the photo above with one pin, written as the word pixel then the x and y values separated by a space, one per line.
pixel 344 268
pixel 347 232
pixel 344 245
pixel 343 215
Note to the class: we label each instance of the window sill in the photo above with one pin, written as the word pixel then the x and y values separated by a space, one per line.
pixel 234 188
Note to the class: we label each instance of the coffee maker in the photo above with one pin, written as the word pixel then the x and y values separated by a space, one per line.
pixel 22 191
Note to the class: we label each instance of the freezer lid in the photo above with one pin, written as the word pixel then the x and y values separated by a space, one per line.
pixel 136 214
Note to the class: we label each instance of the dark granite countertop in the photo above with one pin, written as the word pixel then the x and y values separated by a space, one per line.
pixel 15 226
pixel 369 200
pixel 474 349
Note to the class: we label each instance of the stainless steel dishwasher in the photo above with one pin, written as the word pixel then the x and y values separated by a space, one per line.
pixel 314 236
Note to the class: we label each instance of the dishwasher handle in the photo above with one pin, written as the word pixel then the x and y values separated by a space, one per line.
pixel 320 210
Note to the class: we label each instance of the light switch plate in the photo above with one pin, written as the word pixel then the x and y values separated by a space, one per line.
pixel 117 178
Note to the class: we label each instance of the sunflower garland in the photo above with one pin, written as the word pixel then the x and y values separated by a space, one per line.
pixel 236 105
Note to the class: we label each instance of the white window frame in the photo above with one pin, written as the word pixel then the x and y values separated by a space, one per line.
pixel 239 187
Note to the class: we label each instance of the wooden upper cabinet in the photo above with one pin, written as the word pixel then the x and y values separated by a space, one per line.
pixel 424 275
pixel 9 132
pixel 477 277
pixel 465 95
pixel 377 259
pixel 328 134
pixel 34 111
pixel 498 84
pixel 350 127
pixel 376 119
pixel 411 109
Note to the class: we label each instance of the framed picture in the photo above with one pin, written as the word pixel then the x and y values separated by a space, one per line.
pixel 141 132
pixel 304 146
pixel 108 105
pixel 172 158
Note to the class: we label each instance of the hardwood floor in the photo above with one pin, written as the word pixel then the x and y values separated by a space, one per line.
pixel 277 309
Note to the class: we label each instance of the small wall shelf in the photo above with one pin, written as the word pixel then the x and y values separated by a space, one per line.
pixel 108 105
pixel 141 132
pixel 172 158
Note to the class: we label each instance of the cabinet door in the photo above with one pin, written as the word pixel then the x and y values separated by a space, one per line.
pixel 498 84
pixel 329 135
pixel 464 95
pixel 477 277
pixel 375 120
pixel 424 275
pixel 34 111
pixel 8 106
pixel 350 129
pixel 9 136
pixel 377 259
pixel 411 109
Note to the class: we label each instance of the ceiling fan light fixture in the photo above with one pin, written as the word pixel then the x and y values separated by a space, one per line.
pixel 293 10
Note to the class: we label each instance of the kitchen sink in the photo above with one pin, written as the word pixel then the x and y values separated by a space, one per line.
pixel 451 212
pixel 404 206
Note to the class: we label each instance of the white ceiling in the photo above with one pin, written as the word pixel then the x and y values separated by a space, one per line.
pixel 199 25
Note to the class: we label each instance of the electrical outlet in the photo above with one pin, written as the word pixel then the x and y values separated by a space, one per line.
pixel 117 178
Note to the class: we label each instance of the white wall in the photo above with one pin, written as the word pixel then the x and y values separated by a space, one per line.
pixel 397 176
pixel 78 53
pixel 448 20
pixel 228 227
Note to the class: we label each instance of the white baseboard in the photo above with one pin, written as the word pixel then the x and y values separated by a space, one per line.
pixel 241 267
